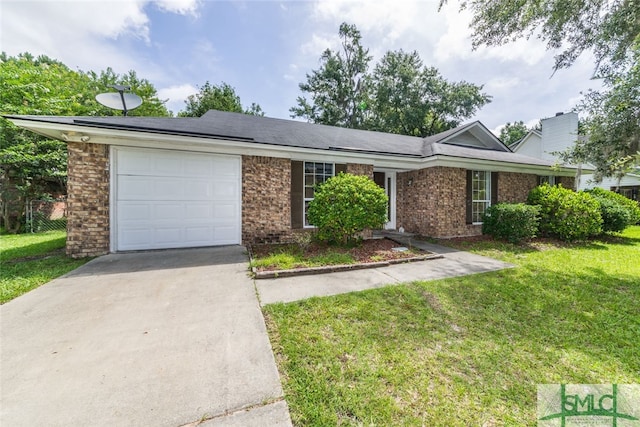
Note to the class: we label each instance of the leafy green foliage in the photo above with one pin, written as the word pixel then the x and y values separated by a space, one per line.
pixel 632 207
pixel 615 218
pixel 607 28
pixel 409 98
pixel 513 132
pixel 345 205
pixel 30 260
pixel 211 97
pixel 151 106
pixel 400 96
pixel 610 30
pixel 337 88
pixel 31 165
pixel 612 125
pixel 512 222
pixel 566 214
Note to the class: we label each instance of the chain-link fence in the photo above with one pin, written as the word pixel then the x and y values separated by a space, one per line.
pixel 46 215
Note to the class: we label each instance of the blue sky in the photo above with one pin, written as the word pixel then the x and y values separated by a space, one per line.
pixel 265 48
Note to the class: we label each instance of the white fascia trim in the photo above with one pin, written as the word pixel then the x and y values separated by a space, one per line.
pixel 497 166
pixel 118 137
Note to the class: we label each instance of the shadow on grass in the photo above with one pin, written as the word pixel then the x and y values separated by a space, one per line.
pixel 483 243
pixel 32 250
pixel 590 312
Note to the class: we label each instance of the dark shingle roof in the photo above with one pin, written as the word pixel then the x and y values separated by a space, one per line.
pixel 280 132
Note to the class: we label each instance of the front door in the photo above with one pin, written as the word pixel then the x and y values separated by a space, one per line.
pixel 387 180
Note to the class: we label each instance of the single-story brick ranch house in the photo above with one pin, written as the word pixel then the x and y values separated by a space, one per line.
pixel 138 183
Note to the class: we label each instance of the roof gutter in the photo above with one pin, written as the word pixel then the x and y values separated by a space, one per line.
pixel 106 135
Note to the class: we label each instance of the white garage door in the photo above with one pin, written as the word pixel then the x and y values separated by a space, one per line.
pixel 173 199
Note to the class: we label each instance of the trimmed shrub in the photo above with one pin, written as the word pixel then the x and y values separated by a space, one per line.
pixel 512 222
pixel 631 206
pixel 345 205
pixel 566 214
pixel 615 217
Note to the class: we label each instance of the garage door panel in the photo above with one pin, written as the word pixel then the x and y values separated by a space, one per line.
pixel 134 187
pixel 225 189
pixel 199 234
pixel 199 211
pixel 132 211
pixel 167 211
pixel 226 235
pixel 173 199
pixel 225 211
pixel 134 162
pixel 223 168
pixel 133 237
pixel 200 167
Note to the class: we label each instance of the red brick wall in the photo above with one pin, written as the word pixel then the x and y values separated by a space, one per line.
pixel 87 199
pixel 360 169
pixel 566 181
pixel 432 201
pixel 514 187
pixel 266 199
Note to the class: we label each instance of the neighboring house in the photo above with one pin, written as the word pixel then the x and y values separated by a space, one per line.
pixel 557 135
pixel 628 185
pixel 228 178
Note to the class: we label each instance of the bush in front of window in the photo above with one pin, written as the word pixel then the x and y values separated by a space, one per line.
pixel 345 205
pixel 566 214
pixel 514 222
pixel 631 206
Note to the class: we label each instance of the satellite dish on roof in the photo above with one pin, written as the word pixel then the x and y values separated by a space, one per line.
pixel 120 101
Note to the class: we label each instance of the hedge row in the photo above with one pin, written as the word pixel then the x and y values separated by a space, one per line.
pixel 562 213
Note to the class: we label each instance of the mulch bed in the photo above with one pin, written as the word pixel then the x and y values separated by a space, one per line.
pixel 371 250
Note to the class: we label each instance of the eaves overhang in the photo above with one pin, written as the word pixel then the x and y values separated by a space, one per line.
pixel 108 135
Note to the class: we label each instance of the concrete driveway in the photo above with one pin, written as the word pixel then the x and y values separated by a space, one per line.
pixel 162 338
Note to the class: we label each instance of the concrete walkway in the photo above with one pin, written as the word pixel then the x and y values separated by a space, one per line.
pixel 453 263
pixel 163 338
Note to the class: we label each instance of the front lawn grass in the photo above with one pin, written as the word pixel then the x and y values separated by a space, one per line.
pixel 291 256
pixel 30 260
pixel 465 351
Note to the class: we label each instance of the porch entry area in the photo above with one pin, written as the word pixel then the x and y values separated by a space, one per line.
pixel 387 181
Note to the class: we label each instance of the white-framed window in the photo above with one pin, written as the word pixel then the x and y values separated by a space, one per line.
pixel 314 173
pixel 480 194
pixel 547 179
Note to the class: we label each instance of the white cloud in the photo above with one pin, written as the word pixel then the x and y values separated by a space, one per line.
pixel 292 73
pixel 385 24
pixel 182 7
pixel 455 43
pixel 499 84
pixel 319 44
pixel 177 95
pixel 84 34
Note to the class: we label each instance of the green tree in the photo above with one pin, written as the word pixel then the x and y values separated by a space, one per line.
pixel 411 99
pixel 610 30
pixel 338 88
pixel 612 126
pixel 151 104
pixel 513 132
pixel 222 98
pixel 32 166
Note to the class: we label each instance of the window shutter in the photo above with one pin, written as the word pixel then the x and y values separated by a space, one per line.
pixel 340 168
pixel 469 196
pixel 494 188
pixel 297 199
